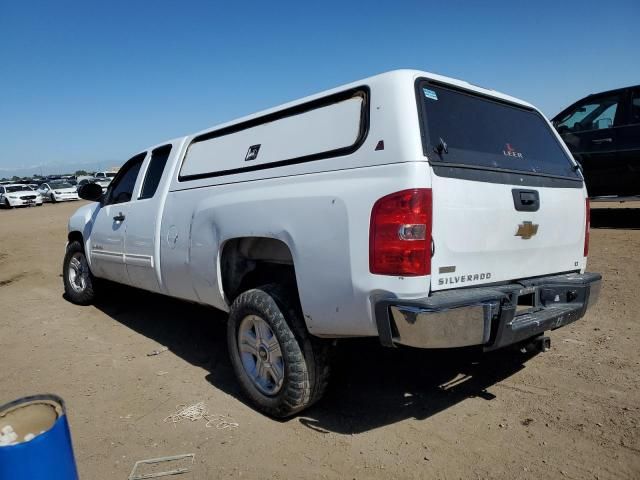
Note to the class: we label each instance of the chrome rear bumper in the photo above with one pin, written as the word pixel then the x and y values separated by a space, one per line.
pixel 490 316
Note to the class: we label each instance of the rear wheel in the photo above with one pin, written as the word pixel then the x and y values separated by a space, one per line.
pixel 281 368
pixel 79 283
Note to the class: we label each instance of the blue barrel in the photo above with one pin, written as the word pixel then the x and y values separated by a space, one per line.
pixel 49 453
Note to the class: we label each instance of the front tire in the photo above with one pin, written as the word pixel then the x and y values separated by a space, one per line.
pixel 7 205
pixel 280 367
pixel 53 198
pixel 79 282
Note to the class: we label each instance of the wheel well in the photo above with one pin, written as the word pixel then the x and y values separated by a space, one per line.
pixel 249 262
pixel 75 236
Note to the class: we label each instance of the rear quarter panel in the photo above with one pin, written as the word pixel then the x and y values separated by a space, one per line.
pixel 323 218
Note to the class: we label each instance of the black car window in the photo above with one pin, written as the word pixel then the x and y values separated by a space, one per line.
pixel 121 189
pixel 635 106
pixel 592 114
pixel 158 161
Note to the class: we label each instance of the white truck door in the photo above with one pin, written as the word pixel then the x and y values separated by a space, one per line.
pixel 143 223
pixel 106 242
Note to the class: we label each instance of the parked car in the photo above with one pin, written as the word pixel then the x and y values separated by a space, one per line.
pixel 103 182
pixel 603 133
pixel 415 208
pixel 104 175
pixel 83 181
pixel 103 179
pixel 58 192
pixel 18 196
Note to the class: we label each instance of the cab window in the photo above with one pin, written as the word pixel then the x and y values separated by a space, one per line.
pixel 121 189
pixel 158 161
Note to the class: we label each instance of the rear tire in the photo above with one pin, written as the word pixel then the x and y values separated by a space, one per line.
pixel 281 368
pixel 79 282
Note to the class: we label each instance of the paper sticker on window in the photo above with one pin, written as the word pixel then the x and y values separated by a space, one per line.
pixel 430 94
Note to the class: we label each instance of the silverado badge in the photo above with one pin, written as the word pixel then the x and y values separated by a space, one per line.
pixel 526 230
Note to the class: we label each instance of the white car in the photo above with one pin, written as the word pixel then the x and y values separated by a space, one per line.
pixel 103 182
pixel 108 176
pixel 58 192
pixel 18 196
pixel 103 179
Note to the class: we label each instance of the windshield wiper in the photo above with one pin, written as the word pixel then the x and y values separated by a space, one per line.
pixel 442 147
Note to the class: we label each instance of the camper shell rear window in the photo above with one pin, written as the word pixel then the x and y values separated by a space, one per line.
pixel 460 128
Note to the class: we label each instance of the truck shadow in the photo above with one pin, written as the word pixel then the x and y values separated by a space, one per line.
pixel 627 218
pixel 371 386
pixel 374 386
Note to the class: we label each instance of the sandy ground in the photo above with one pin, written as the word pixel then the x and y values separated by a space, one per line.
pixel 573 412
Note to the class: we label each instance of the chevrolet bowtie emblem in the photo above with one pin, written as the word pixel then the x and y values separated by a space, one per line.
pixel 526 230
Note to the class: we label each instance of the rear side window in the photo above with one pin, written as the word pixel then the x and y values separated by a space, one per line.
pixel 464 129
pixel 328 127
pixel 635 106
pixel 159 158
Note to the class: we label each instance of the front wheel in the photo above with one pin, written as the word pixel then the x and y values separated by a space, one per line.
pixel 280 367
pixel 7 205
pixel 79 283
pixel 53 198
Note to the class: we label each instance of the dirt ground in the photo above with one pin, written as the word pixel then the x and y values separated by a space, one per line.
pixel 573 412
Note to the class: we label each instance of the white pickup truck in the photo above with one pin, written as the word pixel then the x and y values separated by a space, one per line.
pixel 419 209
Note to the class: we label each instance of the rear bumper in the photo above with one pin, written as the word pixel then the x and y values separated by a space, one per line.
pixel 493 317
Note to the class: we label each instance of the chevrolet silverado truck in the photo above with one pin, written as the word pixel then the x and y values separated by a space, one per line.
pixel 415 208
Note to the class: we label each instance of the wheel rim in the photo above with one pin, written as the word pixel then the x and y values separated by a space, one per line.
pixel 261 354
pixel 78 272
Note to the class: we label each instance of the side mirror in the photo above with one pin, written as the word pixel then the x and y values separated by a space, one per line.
pixel 604 123
pixel 91 192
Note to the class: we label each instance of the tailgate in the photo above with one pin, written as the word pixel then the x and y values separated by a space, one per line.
pixel 479 236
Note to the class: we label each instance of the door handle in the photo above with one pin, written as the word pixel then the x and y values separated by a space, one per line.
pixel 526 200
pixel 602 140
pixel 119 218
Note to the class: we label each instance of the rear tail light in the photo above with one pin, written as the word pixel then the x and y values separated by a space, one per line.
pixel 587 226
pixel 400 234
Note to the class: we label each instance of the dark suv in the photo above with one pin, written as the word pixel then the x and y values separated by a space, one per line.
pixel 603 133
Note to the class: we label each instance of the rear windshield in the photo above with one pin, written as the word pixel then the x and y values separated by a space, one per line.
pixel 469 130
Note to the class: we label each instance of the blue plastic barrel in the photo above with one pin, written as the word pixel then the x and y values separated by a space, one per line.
pixel 49 455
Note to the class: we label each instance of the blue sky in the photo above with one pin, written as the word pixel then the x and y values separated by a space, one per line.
pixel 96 81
